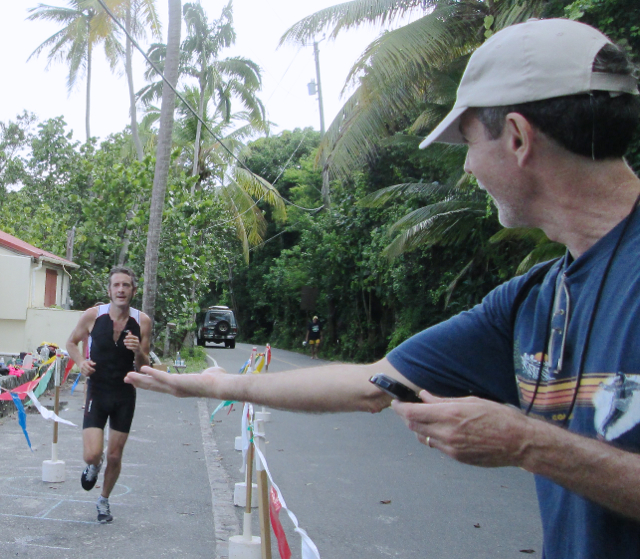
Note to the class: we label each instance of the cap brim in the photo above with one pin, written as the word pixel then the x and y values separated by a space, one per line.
pixel 448 131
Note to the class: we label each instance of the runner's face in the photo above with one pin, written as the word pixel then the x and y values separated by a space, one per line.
pixel 121 290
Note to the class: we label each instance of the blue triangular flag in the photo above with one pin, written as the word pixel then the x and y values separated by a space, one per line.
pixel 22 417
pixel 75 383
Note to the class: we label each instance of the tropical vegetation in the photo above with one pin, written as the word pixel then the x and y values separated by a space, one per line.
pixel 407 239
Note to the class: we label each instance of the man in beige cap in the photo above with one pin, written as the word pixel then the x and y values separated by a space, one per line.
pixel 544 374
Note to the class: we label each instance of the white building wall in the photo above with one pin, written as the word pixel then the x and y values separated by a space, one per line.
pixel 40 277
pixel 12 336
pixel 41 325
pixel 15 285
pixel 50 325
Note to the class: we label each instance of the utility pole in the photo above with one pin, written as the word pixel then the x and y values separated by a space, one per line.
pixel 316 54
pixel 71 237
pixel 312 91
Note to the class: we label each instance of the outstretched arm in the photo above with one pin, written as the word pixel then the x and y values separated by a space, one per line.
pixel 330 388
pixel 483 433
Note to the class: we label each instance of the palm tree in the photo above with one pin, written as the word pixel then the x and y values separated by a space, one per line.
pixel 406 80
pixel 162 159
pixel 221 174
pixel 408 76
pixel 74 43
pixel 219 80
pixel 222 82
pixel 139 16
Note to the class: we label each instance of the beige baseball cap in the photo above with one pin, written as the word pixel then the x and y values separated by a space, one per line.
pixel 531 61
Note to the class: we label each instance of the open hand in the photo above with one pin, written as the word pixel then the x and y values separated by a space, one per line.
pixel 152 379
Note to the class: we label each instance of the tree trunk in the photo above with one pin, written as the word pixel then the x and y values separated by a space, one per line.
pixel 126 237
pixel 88 105
pixel 196 147
pixel 163 154
pixel 132 96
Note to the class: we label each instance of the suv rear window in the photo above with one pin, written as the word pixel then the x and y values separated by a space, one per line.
pixel 214 316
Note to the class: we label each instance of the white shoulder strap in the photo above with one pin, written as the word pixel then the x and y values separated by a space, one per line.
pixel 135 314
pixel 103 309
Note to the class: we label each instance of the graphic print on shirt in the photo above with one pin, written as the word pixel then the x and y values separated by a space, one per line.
pixel 617 404
pixel 614 397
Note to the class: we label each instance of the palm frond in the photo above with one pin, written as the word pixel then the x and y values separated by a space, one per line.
pixel 380 197
pixel 353 14
pixel 446 228
pixel 258 187
pixel 536 236
pixel 542 253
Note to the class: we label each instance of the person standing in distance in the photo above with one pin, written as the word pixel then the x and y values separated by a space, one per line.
pixel 118 341
pixel 314 336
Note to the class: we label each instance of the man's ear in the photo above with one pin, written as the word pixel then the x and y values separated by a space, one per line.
pixel 519 135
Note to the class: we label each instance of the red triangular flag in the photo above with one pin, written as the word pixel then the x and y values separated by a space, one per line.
pixel 274 514
pixel 67 370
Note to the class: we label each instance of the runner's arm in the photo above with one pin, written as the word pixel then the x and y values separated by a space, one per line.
pixel 80 333
pixel 142 354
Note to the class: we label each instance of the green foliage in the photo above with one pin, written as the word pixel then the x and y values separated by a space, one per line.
pixel 367 303
pixel 104 191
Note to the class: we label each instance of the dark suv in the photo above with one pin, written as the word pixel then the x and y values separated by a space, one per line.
pixel 218 325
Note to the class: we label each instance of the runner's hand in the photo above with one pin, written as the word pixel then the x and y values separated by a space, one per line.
pixel 470 430
pixel 87 367
pixel 132 342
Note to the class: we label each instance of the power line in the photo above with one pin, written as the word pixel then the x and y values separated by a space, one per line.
pixel 186 104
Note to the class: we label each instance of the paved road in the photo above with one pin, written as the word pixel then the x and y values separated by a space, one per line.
pixel 161 504
pixel 333 470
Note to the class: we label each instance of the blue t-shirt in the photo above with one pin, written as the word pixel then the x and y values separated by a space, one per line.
pixel 479 352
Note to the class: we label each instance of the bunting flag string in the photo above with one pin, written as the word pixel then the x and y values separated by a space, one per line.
pixel 260 361
pixel 19 391
pixel 245 367
pixel 46 413
pixel 39 389
pixel 33 389
pixel 309 549
pixel 220 406
pixel 247 415
pixel 22 390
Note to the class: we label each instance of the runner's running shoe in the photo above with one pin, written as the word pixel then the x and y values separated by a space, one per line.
pixel 90 476
pixel 104 514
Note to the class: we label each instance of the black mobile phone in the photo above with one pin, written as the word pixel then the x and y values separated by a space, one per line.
pixel 394 388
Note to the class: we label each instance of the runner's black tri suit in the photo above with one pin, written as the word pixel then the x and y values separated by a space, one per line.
pixel 107 394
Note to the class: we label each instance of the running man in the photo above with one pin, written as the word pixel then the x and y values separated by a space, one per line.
pixel 118 340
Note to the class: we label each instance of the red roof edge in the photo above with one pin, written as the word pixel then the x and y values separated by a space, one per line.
pixel 13 243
